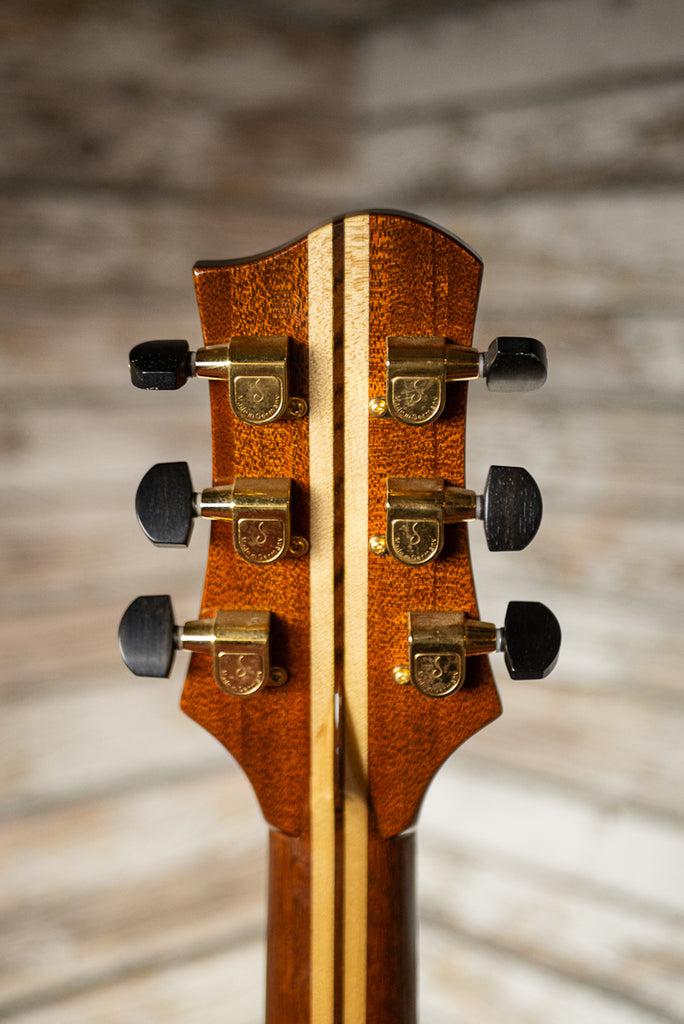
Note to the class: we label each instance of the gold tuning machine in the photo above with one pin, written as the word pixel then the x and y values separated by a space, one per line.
pixel 440 641
pixel 254 367
pixel 418 509
pixel 238 642
pixel 418 369
pixel 260 511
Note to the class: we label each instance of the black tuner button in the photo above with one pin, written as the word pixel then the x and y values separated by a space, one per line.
pixel 160 365
pixel 511 508
pixel 514 364
pixel 532 639
pixel 164 504
pixel 147 636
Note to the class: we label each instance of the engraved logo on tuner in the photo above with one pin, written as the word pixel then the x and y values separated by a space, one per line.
pixel 261 540
pixel 415 541
pixel 438 674
pixel 258 399
pixel 241 674
pixel 416 399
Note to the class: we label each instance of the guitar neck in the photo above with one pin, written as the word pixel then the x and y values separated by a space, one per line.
pixel 372 971
pixel 336 604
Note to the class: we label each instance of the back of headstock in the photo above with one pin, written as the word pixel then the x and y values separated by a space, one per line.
pixel 339 653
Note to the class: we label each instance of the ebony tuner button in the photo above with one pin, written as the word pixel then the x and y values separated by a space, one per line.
pixel 160 365
pixel 514 364
pixel 164 504
pixel 531 640
pixel 147 636
pixel 510 508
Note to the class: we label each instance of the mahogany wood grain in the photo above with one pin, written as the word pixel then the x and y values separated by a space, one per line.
pixel 288 969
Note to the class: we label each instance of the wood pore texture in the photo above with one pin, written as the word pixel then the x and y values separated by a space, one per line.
pixel 140 137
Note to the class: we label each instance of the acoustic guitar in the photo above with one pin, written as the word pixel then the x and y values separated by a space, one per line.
pixel 339 654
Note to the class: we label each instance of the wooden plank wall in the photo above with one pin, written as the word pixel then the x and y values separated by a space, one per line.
pixel 140 136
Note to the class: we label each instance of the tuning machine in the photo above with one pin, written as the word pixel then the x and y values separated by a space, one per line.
pixel 440 641
pixel 254 367
pixel 418 369
pixel 238 641
pixel 260 511
pixel 510 508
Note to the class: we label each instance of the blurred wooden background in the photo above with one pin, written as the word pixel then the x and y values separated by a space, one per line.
pixel 140 136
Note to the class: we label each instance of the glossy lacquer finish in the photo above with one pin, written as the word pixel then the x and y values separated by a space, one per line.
pixel 340 757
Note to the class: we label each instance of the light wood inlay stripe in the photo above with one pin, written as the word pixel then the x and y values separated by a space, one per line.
pixel 322 582
pixel 356 291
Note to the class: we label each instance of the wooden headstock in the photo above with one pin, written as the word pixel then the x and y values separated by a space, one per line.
pixel 376 312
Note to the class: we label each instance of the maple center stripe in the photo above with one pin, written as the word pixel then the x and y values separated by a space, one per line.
pixel 356 358
pixel 322 581
pixel 355 605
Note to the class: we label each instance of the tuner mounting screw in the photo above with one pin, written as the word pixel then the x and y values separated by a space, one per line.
pixel 378 544
pixel 298 546
pixel 278 676
pixel 378 407
pixel 297 408
pixel 401 675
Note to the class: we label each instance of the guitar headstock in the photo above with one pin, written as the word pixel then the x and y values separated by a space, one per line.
pixel 339 646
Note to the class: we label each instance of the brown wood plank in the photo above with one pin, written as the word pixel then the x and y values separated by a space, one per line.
pixel 552 48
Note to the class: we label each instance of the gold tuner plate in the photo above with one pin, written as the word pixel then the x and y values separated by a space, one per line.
pixel 417 510
pixel 239 644
pixel 260 512
pixel 257 373
pixel 438 644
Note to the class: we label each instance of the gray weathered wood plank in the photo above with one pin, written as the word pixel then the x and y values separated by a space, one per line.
pixel 533 47
pixel 549 136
